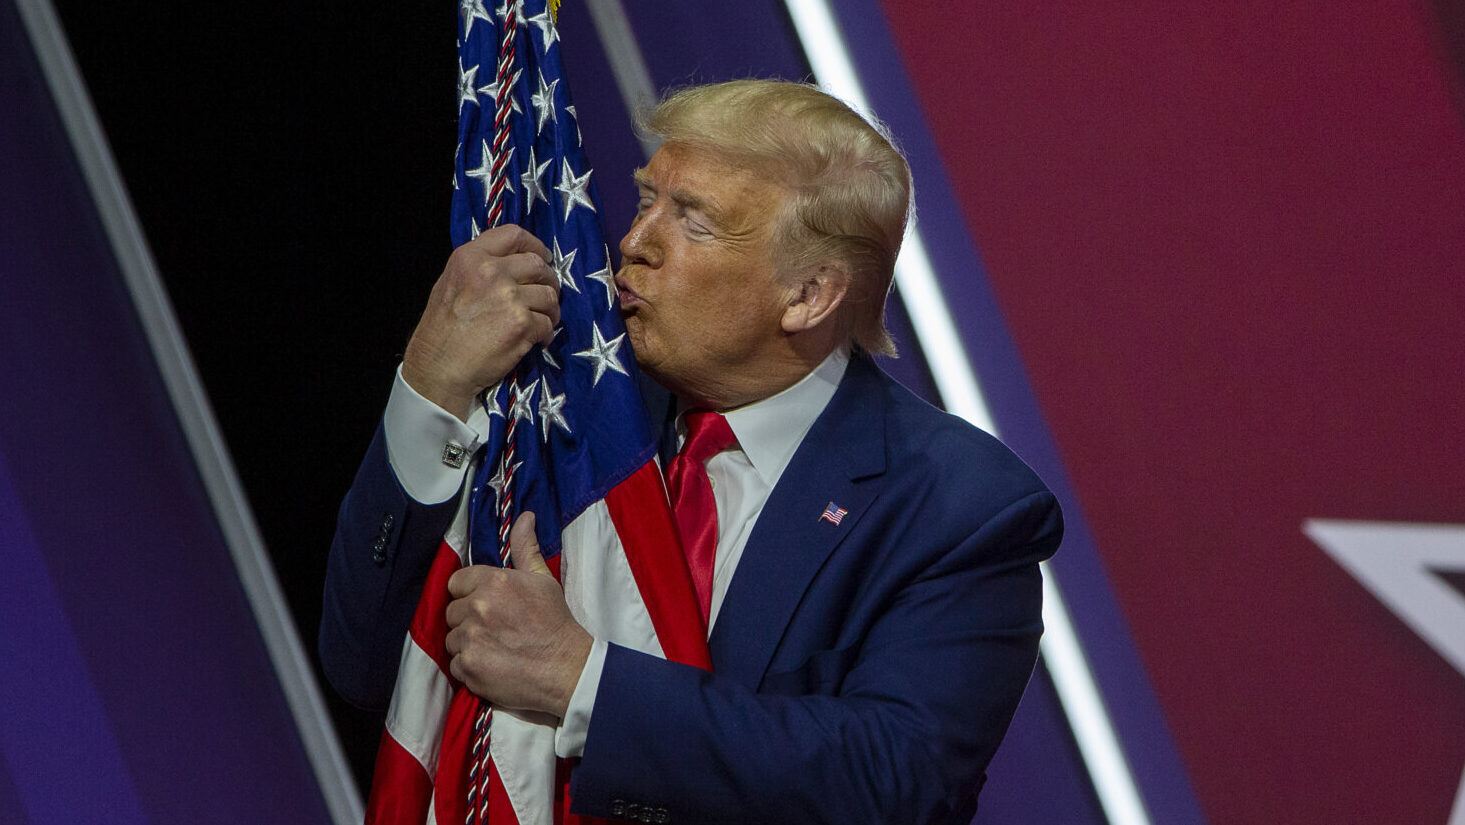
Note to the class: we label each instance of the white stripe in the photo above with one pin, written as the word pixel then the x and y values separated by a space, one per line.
pixel 599 587
pixel 522 746
pixel 956 380
pixel 419 706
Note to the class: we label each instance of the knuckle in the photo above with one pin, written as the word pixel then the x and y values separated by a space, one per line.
pixel 524 325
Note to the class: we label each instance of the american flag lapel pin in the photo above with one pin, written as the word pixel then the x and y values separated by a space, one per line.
pixel 833 513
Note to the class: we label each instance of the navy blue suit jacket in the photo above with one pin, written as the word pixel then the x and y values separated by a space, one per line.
pixel 862 672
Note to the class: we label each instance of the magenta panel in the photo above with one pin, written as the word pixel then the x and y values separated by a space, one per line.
pixel 1228 243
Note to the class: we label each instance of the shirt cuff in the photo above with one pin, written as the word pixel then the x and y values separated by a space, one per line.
pixel 569 737
pixel 428 447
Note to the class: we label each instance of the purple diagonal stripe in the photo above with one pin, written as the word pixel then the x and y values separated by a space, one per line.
pixel 60 754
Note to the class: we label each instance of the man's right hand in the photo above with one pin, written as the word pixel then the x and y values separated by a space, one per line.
pixel 497 297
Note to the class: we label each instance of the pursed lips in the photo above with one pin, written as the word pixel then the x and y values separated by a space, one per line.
pixel 628 296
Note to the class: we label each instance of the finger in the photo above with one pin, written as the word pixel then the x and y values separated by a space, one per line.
pixel 462 582
pixel 543 299
pixel 546 331
pixel 456 612
pixel 509 239
pixel 527 268
pixel 524 546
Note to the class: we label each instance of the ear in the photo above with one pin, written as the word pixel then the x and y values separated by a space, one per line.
pixel 815 296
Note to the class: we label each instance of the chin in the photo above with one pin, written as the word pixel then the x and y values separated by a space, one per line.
pixel 636 336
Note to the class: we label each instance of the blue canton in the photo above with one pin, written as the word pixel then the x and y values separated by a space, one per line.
pixel 581 426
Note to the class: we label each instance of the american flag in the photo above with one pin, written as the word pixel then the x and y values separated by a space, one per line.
pixel 570 440
pixel 833 514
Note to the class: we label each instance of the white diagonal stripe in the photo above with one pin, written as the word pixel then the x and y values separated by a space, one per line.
pixel 419 706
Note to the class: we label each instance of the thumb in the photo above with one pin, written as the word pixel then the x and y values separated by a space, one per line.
pixel 524 546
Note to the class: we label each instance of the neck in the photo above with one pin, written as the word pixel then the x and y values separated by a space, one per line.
pixel 756 380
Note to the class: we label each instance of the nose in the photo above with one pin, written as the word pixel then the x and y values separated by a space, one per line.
pixel 641 244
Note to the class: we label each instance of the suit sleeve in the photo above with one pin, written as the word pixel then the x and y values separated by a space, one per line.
pixel 899 729
pixel 383 547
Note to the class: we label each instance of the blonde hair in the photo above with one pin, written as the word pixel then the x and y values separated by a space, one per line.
pixel 849 186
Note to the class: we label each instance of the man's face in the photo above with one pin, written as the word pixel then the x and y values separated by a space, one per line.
pixel 698 282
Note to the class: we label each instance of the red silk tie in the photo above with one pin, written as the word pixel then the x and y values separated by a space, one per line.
pixel 691 497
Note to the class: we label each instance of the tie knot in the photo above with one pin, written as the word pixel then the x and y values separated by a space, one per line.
pixel 708 434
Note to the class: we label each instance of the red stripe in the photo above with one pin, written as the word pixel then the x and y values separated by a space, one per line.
pixel 644 523
pixel 500 812
pixel 454 754
pixel 400 788
pixel 429 624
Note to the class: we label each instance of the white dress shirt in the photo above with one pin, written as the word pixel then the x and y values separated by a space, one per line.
pixel 768 433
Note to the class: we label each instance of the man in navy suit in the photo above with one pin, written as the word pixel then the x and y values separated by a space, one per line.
pixel 874 598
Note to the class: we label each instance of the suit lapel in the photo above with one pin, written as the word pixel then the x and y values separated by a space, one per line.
pixel 840 461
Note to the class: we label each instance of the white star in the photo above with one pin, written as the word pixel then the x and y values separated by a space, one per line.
pixel 472 10
pixel 543 101
pixel 473 230
pixel 608 280
pixel 549 410
pixel 579 139
pixel 602 354
pixel 490 395
pixel 492 90
pixel 457 156
pixel 501 478
pixel 546 28
pixel 544 350
pixel 484 173
pixel 1397 563
pixel 466 94
pixel 562 264
pixel 521 402
pixel 533 186
pixel 574 189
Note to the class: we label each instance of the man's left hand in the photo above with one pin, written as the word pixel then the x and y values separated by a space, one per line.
pixel 511 635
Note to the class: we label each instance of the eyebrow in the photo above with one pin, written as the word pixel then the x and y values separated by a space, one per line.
pixel 685 199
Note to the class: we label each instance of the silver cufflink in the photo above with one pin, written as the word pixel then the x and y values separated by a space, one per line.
pixel 453 455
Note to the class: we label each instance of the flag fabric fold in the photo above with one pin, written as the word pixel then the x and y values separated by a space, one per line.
pixel 569 440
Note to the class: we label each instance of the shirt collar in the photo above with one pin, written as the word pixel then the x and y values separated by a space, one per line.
pixel 769 431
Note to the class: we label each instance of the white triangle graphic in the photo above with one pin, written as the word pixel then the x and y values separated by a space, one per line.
pixel 1397 563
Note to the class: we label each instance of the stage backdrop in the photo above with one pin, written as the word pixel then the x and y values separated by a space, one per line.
pixel 1207 263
